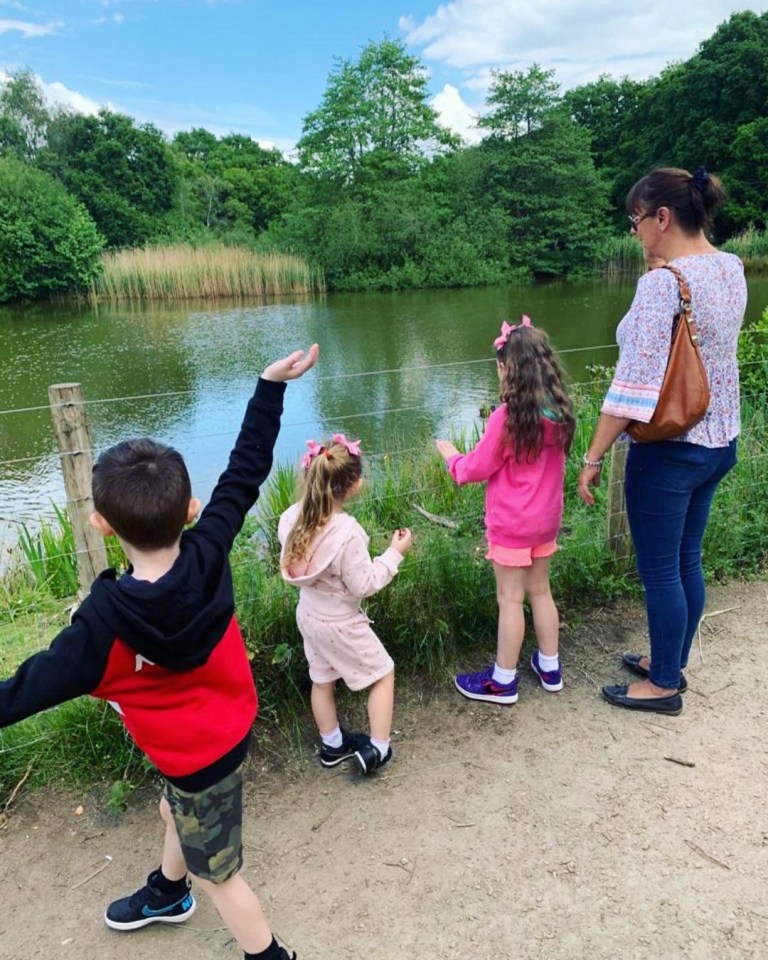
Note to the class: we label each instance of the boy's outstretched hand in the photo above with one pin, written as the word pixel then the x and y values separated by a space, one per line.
pixel 293 366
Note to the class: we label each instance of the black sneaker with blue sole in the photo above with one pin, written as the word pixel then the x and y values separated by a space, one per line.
pixel 150 905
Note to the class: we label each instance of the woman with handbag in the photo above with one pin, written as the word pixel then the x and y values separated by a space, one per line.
pixel 666 365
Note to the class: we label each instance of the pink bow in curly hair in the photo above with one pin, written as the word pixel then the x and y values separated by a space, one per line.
pixel 315 449
pixel 506 329
pixel 352 446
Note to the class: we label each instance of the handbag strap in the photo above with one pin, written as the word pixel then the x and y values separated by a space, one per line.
pixel 686 309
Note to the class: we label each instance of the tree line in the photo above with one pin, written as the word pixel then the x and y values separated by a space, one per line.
pixel 380 195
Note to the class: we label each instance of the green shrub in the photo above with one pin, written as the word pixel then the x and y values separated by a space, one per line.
pixel 50 244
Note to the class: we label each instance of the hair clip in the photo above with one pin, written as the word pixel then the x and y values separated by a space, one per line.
pixel 315 449
pixel 352 446
pixel 506 329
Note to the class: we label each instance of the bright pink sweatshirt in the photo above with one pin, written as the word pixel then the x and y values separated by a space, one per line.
pixel 523 501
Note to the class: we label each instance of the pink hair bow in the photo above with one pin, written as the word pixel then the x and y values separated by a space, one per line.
pixel 352 446
pixel 314 450
pixel 506 329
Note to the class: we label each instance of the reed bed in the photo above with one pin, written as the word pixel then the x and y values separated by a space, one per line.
pixel 619 257
pixel 184 272
pixel 752 247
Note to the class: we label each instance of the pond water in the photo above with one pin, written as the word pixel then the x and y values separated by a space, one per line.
pixel 394 367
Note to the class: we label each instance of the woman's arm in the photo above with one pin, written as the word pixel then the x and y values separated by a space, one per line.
pixel 608 428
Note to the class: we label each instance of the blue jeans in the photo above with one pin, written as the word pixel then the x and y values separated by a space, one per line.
pixel 669 491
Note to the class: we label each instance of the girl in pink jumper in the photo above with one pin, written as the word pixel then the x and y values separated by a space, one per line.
pixel 521 456
pixel 325 554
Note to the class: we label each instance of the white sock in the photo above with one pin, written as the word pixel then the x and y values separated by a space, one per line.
pixel 548 663
pixel 334 738
pixel 382 746
pixel 500 675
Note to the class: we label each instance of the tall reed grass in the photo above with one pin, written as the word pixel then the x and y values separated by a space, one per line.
pixel 619 257
pixel 184 272
pixel 752 247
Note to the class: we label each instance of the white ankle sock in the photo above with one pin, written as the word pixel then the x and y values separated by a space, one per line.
pixel 334 738
pixel 548 663
pixel 501 675
pixel 382 746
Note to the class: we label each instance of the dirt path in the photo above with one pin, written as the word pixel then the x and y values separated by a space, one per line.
pixel 557 828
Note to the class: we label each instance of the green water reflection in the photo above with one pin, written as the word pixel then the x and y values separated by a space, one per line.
pixel 393 366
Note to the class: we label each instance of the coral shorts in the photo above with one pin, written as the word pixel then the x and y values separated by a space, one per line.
pixel 519 556
pixel 343 648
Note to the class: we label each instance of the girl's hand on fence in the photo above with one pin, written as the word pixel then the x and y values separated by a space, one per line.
pixel 402 541
pixel 446 449
pixel 589 477
pixel 293 366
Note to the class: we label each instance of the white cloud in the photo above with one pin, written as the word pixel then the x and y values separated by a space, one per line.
pixel 56 93
pixel 62 96
pixel 27 29
pixel 579 39
pixel 455 114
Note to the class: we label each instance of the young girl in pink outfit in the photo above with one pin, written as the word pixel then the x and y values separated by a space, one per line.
pixel 325 554
pixel 521 456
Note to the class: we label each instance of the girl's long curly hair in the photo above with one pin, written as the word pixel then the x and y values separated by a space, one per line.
pixel 327 480
pixel 532 381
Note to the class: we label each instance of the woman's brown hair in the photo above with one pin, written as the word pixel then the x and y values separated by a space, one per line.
pixel 331 474
pixel 533 381
pixel 693 196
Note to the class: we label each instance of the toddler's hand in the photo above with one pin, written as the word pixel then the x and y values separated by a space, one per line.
pixel 402 541
pixel 292 366
pixel 446 449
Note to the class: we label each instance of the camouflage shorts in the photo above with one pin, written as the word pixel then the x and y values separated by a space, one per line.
pixel 210 827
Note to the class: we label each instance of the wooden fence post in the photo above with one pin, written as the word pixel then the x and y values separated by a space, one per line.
pixel 617 526
pixel 71 427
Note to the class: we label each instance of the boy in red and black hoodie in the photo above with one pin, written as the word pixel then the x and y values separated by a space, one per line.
pixel 162 645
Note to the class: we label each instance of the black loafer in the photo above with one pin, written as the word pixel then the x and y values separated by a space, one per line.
pixel 616 694
pixel 632 662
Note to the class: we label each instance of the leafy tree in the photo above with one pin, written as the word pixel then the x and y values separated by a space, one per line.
pixel 123 174
pixel 610 110
pixel 50 243
pixel 519 101
pixel 374 122
pixel 554 199
pixel 235 182
pixel 24 117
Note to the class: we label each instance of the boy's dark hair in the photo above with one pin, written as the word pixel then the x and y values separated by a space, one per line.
pixel 142 489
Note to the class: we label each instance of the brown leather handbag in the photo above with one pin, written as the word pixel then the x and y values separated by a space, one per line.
pixel 684 397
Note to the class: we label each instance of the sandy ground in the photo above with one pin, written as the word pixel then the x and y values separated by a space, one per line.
pixel 556 828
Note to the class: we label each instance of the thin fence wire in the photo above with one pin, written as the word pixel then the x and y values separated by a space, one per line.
pixel 289 424
pixel 357 374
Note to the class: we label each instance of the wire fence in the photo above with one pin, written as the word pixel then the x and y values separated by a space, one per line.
pixel 598 520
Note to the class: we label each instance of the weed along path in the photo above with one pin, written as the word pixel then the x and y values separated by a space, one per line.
pixel 560 828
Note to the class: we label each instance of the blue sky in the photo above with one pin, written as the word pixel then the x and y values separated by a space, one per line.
pixel 259 66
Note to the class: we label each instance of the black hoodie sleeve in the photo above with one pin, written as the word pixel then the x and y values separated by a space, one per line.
pixel 249 464
pixel 72 666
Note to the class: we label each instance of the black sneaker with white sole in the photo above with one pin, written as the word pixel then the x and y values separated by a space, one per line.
pixel 150 905
pixel 369 759
pixel 332 756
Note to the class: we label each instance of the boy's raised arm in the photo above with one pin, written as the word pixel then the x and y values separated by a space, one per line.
pixel 251 458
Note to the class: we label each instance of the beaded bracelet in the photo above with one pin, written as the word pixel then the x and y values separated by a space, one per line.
pixel 592 463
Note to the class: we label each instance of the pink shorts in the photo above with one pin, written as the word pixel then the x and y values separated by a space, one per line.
pixel 343 649
pixel 519 556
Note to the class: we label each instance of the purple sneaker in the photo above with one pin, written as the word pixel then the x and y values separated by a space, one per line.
pixel 551 680
pixel 482 686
